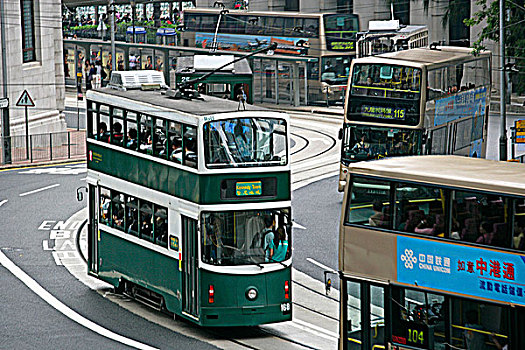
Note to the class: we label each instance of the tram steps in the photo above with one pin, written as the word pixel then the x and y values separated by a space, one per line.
pixel 146 297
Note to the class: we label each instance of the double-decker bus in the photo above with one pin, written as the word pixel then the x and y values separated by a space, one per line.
pixel 419 101
pixel 390 36
pixel 182 195
pixel 432 254
pixel 327 39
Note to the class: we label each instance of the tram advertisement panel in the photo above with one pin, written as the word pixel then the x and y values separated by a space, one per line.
pixel 461 269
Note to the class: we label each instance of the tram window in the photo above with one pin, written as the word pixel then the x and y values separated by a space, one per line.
pixel 117 210
pixel 116 127
pixel 91 119
pixel 475 324
pixel 420 209
pixel 146 220
pixel 189 145
pixel 103 124
pixel 370 203
pixel 242 237
pixel 161 226
pixel 131 131
pixel 518 240
pixel 132 215
pixel 174 142
pixel 480 218
pixel 353 314
pixel 105 206
pixel 159 138
pixel 146 134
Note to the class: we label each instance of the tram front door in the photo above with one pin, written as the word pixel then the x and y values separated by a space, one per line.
pixel 190 257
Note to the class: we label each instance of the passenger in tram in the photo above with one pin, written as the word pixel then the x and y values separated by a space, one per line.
pixel 145 226
pixel 103 134
pixel 118 217
pixel 117 133
pixel 500 344
pixel 190 153
pixel 279 245
pixel 377 217
pixel 268 236
pixel 176 150
pixel 132 139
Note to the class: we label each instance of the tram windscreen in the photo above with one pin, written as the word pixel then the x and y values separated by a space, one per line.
pixel 249 237
pixel 245 142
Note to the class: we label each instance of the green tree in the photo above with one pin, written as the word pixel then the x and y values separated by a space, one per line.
pixel 488 16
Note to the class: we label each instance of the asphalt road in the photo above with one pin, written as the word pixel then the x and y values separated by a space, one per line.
pixel 27 320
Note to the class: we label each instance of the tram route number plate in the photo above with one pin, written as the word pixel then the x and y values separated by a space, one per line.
pixel 286 308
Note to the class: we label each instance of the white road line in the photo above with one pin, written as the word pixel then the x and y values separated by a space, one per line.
pixel 39 190
pixel 64 309
pixel 3 202
pixel 321 332
pixel 324 267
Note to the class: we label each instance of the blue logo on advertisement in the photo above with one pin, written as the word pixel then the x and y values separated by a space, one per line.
pixel 461 269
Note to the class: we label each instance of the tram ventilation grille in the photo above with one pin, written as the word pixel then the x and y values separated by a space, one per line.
pixel 124 80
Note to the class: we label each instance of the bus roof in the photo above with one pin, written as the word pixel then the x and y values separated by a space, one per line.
pixel 441 55
pixel 208 105
pixel 455 171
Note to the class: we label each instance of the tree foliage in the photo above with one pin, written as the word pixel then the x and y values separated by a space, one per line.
pixel 488 18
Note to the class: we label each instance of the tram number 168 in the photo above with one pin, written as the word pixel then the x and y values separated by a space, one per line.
pixel 286 307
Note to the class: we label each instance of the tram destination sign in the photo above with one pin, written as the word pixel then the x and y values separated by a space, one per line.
pixel 252 188
pixel 382 112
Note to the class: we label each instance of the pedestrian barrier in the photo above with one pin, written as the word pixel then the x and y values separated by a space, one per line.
pixel 42 147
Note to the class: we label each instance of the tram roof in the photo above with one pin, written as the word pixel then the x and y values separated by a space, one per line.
pixel 434 58
pixel 208 105
pixel 455 171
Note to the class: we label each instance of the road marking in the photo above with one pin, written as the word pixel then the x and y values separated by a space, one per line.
pixel 39 190
pixel 3 202
pixel 324 333
pixel 64 309
pixel 324 267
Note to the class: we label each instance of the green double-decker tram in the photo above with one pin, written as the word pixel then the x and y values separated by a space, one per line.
pixel 182 193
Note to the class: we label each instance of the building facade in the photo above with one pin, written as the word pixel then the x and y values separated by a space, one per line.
pixel 32 51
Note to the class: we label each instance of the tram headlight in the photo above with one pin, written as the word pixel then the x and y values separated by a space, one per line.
pixel 251 294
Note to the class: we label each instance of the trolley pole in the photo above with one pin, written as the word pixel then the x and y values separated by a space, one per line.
pixel 503 111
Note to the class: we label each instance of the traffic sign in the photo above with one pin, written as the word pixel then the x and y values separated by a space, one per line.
pixel 25 100
pixel 4 102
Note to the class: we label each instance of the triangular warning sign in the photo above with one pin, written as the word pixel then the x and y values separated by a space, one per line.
pixel 25 100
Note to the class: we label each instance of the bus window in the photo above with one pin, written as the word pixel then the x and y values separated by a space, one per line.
pixel 420 209
pixel 370 203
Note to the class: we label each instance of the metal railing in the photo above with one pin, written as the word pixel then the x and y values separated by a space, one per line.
pixel 42 147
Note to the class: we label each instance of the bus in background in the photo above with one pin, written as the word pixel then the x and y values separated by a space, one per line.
pixel 182 193
pixel 419 101
pixel 328 39
pixel 390 36
pixel 433 258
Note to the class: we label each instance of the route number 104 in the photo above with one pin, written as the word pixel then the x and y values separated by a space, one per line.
pixel 415 336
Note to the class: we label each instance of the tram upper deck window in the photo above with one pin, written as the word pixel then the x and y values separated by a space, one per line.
pixel 240 237
pixel 384 80
pixel 245 142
